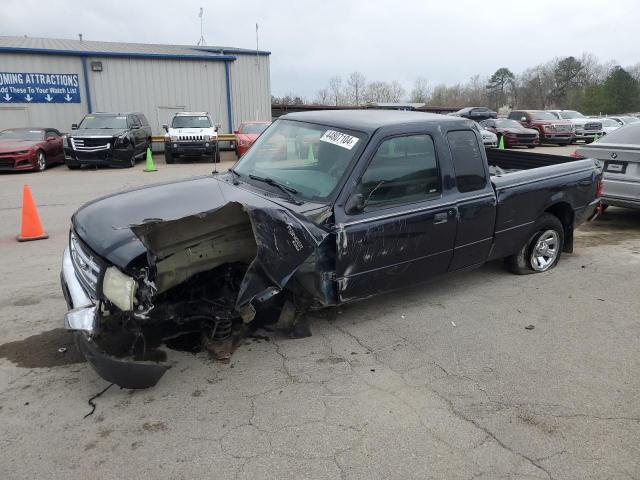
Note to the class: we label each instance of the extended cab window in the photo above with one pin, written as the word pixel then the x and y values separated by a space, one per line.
pixel 467 160
pixel 403 170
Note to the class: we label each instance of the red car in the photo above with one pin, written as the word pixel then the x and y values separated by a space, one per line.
pixel 30 148
pixel 247 133
pixel 513 133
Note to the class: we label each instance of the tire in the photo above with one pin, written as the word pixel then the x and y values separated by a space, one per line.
pixel 168 157
pixel 41 161
pixel 564 144
pixel 72 166
pixel 588 141
pixel 542 251
pixel 132 160
pixel 531 146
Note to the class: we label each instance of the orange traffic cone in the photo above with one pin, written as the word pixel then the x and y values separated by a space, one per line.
pixel 31 226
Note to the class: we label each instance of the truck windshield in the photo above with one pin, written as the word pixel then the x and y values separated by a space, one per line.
pixel 543 116
pixel 569 114
pixel 191 122
pixel 306 157
pixel 104 121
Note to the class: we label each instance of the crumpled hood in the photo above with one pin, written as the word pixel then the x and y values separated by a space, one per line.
pixel 103 224
pixel 98 132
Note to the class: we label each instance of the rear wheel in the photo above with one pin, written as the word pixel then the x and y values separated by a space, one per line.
pixel 543 249
pixel 168 157
pixel 41 161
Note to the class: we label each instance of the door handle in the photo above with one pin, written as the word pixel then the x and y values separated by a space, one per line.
pixel 441 217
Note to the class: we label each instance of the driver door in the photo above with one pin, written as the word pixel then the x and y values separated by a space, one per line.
pixel 403 231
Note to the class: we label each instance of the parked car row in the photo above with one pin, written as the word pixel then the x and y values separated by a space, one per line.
pixel 533 127
pixel 117 140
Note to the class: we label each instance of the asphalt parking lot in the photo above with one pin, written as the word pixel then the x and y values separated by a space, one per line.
pixel 445 380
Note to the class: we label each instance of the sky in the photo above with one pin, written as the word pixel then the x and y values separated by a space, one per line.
pixel 442 41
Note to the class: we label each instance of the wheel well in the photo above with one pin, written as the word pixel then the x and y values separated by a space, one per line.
pixel 563 212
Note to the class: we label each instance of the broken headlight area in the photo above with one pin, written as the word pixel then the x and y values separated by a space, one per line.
pixel 198 315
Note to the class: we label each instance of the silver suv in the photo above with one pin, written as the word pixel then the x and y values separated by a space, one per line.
pixel 586 128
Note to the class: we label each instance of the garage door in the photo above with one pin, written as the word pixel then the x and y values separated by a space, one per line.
pixel 13 117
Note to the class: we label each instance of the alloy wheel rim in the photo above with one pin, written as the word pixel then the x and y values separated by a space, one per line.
pixel 41 162
pixel 545 251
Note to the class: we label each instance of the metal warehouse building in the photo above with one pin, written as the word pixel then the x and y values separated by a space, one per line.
pixel 54 83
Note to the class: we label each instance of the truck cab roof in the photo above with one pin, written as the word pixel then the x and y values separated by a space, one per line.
pixel 370 120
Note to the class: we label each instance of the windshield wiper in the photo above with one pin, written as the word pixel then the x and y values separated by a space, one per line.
pixel 288 191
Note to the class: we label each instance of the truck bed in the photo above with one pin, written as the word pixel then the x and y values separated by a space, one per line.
pixel 526 184
pixel 512 167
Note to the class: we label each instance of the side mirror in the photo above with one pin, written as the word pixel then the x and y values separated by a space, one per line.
pixel 74 126
pixel 355 203
pixel 135 127
pixel 165 127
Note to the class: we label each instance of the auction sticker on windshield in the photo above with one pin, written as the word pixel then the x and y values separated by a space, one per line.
pixel 338 138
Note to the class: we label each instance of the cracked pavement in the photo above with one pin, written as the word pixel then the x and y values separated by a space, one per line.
pixel 439 381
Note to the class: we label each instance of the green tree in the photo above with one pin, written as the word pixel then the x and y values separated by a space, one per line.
pixel 620 91
pixel 568 79
pixel 593 102
pixel 500 87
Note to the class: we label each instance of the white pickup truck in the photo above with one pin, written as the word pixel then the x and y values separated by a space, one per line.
pixel 586 128
pixel 191 134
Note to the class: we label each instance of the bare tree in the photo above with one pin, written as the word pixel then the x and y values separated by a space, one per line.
pixel 397 91
pixel 356 84
pixel 335 87
pixel 421 91
pixel 322 96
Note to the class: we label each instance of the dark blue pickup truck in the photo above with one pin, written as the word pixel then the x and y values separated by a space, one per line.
pixel 325 208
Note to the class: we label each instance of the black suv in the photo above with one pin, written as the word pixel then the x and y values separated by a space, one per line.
pixel 475 113
pixel 113 139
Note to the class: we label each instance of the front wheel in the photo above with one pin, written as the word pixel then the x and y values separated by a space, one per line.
pixel 543 249
pixel 168 157
pixel 41 161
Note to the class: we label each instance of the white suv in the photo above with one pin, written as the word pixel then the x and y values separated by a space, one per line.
pixel 191 134
pixel 586 128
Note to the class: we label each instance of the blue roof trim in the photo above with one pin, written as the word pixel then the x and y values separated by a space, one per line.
pixel 237 51
pixel 86 53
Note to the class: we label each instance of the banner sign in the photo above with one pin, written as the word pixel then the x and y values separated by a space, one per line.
pixel 39 88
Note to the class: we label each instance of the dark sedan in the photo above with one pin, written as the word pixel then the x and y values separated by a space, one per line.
pixel 513 133
pixel 475 113
pixel 30 149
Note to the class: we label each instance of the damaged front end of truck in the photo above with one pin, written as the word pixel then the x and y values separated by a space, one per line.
pixel 213 276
